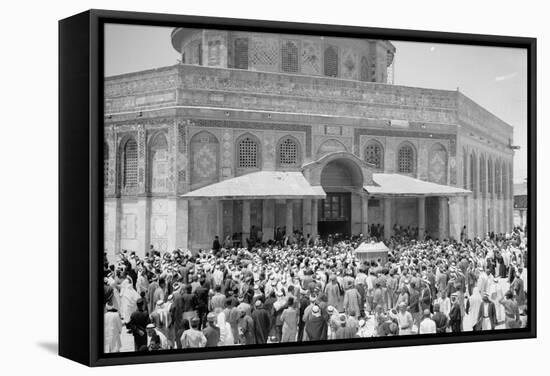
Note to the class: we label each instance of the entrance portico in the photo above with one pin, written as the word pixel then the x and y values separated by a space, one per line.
pixel 338 193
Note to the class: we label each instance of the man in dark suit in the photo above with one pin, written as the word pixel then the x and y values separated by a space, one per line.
pixel 138 324
pixel 211 331
pixel 440 319
pixel 455 315
pixel 216 245
pixel 262 322
pixel 487 316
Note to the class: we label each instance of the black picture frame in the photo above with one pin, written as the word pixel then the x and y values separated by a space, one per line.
pixel 80 184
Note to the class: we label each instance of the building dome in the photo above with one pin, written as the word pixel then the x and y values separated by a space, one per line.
pixel 344 58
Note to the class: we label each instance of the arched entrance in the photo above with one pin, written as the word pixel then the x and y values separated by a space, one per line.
pixel 339 179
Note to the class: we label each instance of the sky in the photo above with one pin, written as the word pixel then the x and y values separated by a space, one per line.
pixel 494 77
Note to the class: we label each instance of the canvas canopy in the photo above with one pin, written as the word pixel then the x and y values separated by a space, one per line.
pixel 259 185
pixel 403 185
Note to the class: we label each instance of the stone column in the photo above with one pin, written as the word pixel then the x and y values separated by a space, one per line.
pixel 111 231
pixel 365 215
pixel 219 230
pixel 268 219
pixel 246 222
pixel 455 221
pixel 314 217
pixel 289 217
pixel 521 218
pixel 306 216
pixel 182 224
pixel 143 225
pixel 387 217
pixel 443 218
pixel 421 217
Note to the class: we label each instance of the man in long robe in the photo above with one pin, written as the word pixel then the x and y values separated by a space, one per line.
pixel 111 330
pixel 262 322
pixel 455 316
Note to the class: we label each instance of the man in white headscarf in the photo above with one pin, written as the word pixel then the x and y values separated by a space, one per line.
pixel 111 330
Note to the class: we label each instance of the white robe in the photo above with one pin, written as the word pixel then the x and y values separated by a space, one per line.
pixel 475 303
pixel 496 293
pixel 128 300
pixel 112 327
pixel 226 335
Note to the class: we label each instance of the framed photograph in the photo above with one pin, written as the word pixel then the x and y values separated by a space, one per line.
pixel 236 187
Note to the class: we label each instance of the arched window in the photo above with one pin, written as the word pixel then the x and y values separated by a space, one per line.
pixel 331 62
pixel 204 155
pixel 105 165
pixel 364 73
pixel 130 164
pixel 498 179
pixel 289 55
pixel 473 174
pixel 437 164
pixel 288 153
pixel 490 178
pixel 483 176
pixel 159 164
pixel 504 181
pixel 405 159
pixel 241 53
pixel 248 153
pixel 464 169
pixel 374 154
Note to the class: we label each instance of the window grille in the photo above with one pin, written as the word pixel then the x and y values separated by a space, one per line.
pixel 289 55
pixel 241 53
pixel 130 164
pixel 331 62
pixel 248 153
pixel 288 152
pixel 406 161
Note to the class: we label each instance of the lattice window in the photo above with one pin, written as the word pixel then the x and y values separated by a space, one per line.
pixel 159 164
pixel 331 62
pixel 130 164
pixel 364 73
pixel 264 53
pixel 241 53
pixel 195 53
pixel 373 155
pixel 289 57
pixel 406 159
pixel 288 153
pixel 214 52
pixel 248 153
pixel 105 165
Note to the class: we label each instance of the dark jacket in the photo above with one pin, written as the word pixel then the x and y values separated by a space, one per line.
pixel 492 316
pixel 316 328
pixel 262 324
pixel 212 335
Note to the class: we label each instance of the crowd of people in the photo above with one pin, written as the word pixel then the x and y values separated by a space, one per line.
pixel 313 291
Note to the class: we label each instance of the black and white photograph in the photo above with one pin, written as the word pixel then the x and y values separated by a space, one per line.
pixel 266 188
